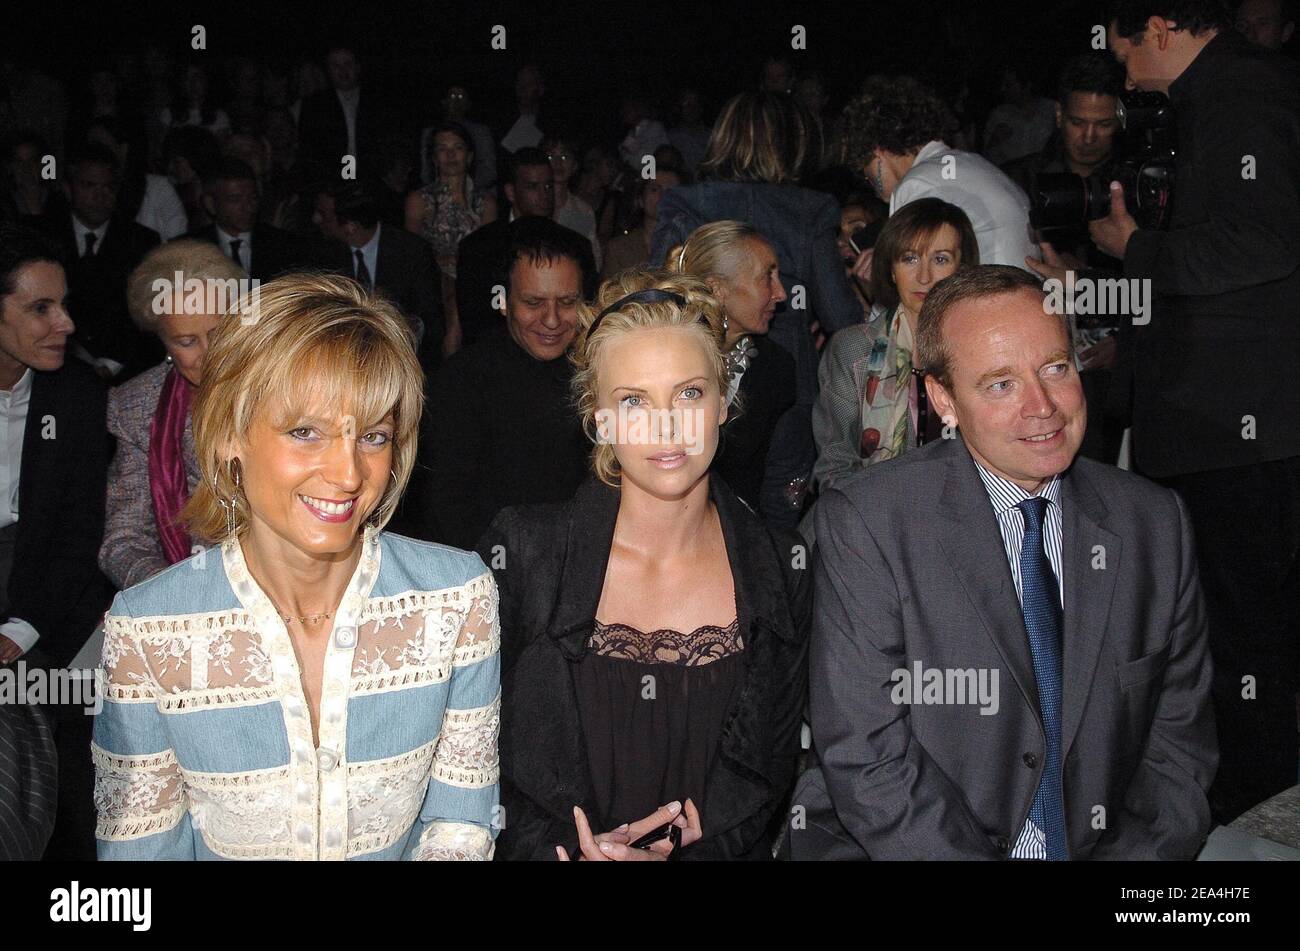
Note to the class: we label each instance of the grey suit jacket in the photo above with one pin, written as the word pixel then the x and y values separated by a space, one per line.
pixel 910 567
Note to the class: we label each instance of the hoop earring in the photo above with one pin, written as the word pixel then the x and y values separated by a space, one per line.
pixel 228 505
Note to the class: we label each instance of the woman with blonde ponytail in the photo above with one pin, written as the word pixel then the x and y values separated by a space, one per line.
pixel 740 268
pixel 654 631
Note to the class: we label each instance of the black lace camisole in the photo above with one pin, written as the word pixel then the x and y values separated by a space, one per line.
pixel 653 706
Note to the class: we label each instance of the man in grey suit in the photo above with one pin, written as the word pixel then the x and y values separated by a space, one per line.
pixel 964 702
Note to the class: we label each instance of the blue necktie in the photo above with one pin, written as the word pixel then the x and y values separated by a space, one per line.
pixel 1041 605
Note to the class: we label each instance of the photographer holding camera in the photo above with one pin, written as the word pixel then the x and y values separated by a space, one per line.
pixel 1217 385
pixel 1086 145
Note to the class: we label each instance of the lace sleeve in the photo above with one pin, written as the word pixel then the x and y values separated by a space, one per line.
pixel 461 814
pixel 140 798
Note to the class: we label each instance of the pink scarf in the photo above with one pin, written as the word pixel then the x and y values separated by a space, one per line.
pixel 167 480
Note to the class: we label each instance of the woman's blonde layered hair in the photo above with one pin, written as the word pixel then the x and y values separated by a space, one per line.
pixel 701 316
pixel 302 342
pixel 758 137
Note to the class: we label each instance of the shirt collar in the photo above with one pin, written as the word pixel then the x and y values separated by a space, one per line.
pixel 18 394
pixel 81 230
pixel 227 238
pixel 1005 495
pixel 371 246
pixel 931 149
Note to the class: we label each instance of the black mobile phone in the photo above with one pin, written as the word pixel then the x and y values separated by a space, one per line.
pixel 865 237
pixel 666 831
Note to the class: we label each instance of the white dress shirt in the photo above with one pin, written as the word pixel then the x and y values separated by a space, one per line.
pixel 349 99
pixel 81 230
pixel 13 410
pixel 162 209
pixel 576 215
pixel 523 133
pixel 997 207
pixel 245 251
pixel 369 254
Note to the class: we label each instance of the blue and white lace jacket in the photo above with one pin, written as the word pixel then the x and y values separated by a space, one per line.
pixel 204 746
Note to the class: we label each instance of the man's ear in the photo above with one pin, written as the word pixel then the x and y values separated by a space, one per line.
pixel 1060 115
pixel 1158 31
pixel 509 189
pixel 208 205
pixel 941 400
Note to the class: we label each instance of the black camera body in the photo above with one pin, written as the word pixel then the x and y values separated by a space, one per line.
pixel 1145 168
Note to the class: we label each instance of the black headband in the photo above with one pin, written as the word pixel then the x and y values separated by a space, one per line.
pixel 651 295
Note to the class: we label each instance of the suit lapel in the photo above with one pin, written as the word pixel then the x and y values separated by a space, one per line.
pixel 740 791
pixel 554 771
pixel 1090 562
pixel 381 253
pixel 973 544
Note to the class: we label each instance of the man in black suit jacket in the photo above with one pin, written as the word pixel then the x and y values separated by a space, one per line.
pixel 506 399
pixel 340 121
pixel 481 257
pixel 52 593
pixel 101 248
pixel 263 251
pixel 1009 653
pixel 1216 384
pixel 392 262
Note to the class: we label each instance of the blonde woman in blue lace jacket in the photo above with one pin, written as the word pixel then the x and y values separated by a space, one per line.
pixel 314 687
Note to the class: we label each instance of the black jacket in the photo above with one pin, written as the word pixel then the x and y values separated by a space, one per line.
pixel 275 251
pixel 406 274
pixel 1218 366
pixel 499 429
pixel 55 584
pixel 549 562
pixel 767 390
pixel 97 291
pixel 323 130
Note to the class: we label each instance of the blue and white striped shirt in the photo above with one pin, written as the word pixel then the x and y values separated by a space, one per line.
pixel 1004 497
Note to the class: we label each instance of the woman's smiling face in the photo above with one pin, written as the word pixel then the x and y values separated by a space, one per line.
pixel 312 477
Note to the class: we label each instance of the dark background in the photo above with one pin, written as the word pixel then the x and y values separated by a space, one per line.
pixel 592 53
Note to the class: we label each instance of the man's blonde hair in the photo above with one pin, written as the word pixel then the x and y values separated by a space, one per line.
pixel 701 316
pixel 304 341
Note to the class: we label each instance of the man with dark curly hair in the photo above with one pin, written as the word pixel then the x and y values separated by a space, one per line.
pixel 894 131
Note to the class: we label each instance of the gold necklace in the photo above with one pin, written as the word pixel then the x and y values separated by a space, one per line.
pixel 312 618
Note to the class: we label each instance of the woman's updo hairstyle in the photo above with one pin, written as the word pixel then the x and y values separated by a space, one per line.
pixel 685 302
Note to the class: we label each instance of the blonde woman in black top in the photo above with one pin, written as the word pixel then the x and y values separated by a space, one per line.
pixel 654 633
